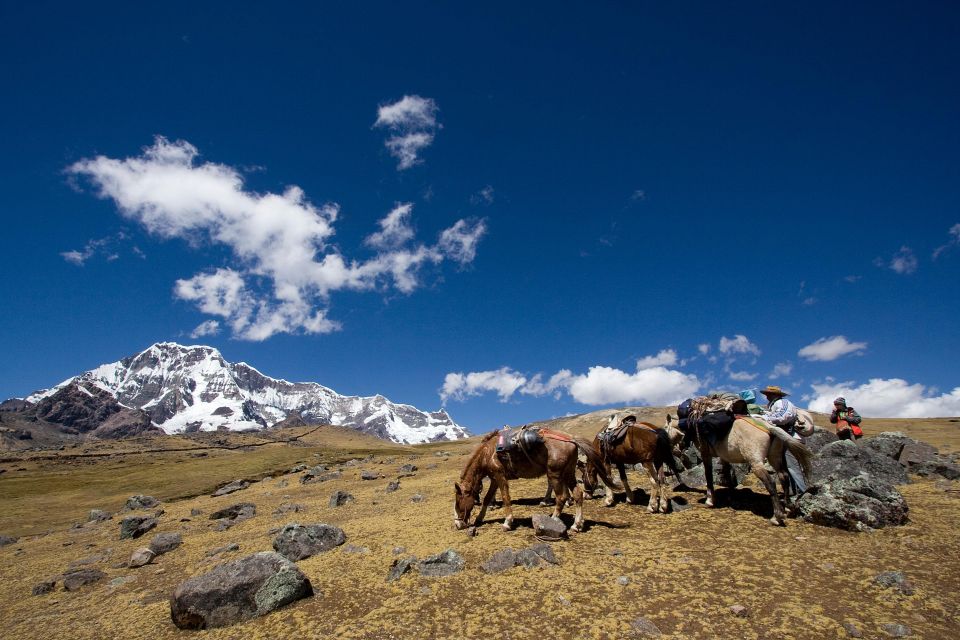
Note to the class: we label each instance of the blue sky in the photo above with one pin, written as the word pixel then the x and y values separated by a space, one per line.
pixel 634 201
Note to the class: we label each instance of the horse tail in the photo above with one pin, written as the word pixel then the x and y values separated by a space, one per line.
pixel 664 452
pixel 799 450
pixel 593 458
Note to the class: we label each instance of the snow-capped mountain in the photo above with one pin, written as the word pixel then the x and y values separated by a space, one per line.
pixel 191 388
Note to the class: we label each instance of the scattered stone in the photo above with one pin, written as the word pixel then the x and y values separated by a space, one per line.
pixel 623 581
pixel 236 485
pixel 564 601
pixel 165 543
pixel 399 567
pixel 322 477
pixel 282 484
pixel 442 564
pixel 140 502
pixel 408 468
pixel 119 582
pixel 500 561
pixel 196 512
pixel 644 627
pixel 76 578
pixel 94 559
pixel 350 548
pixel 288 507
pixel 393 486
pixel 855 503
pixel 369 475
pixel 44 587
pixel 895 580
pixel 299 468
pixel 235 512
pixel 98 515
pixel 5 540
pixel 740 611
pixel 136 526
pixel 679 504
pixel 537 555
pixel 340 498
pixel 417 498
pixel 239 590
pixel 297 541
pixel 616 552
pixel 140 557
pixel 224 549
pixel 897 630
pixel 852 630
pixel 398 550
pixel 548 528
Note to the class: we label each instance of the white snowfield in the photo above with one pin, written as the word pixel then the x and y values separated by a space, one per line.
pixel 193 387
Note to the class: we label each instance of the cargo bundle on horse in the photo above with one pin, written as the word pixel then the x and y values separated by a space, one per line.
pixel 625 441
pixel 714 423
pixel 525 453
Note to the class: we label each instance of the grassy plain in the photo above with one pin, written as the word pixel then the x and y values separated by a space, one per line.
pixel 682 570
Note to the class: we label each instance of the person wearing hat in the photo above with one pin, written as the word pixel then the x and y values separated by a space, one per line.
pixel 846 419
pixel 748 396
pixel 779 411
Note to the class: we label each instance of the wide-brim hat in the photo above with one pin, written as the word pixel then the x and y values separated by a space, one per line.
pixel 771 390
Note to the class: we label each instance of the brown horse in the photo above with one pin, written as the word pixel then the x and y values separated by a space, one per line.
pixel 556 457
pixel 642 443
pixel 755 442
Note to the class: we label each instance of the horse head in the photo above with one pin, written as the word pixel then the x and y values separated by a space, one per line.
pixel 464 501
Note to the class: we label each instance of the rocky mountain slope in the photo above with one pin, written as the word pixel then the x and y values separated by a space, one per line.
pixel 193 388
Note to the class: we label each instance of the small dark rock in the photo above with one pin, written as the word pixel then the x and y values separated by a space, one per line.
pixel 136 526
pixel 442 564
pixel 165 543
pixel 399 567
pixel 308 477
pixel 500 561
pixel 288 507
pixel 299 468
pixel 340 498
pixel 98 515
pixel 236 485
pixel 740 611
pixel 852 630
pixel 241 511
pixel 369 475
pixel 897 630
pixel 549 528
pixel 44 587
pixel 76 578
pixel 297 541
pixel 140 502
pixel 196 512
pixel 644 627
pixel 895 580
pixel 224 549
pixel 5 540
pixel 408 468
pixel 393 486
pixel 417 498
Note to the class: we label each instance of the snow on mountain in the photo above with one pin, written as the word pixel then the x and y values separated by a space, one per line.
pixel 191 388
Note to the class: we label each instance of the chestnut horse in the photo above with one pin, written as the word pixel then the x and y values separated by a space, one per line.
pixel 643 443
pixel 556 458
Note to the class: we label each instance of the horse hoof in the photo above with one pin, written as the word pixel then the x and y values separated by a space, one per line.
pixel 608 503
pixel 652 509
pixel 777 522
pixel 710 503
pixel 544 503
pixel 576 529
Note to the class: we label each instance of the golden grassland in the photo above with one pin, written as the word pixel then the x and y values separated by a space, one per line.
pixel 684 569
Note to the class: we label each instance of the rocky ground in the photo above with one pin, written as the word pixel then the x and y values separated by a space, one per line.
pixel 389 564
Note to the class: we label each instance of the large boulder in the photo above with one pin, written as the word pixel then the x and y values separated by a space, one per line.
pixel 236 591
pixel 298 541
pixel 819 439
pixel 847 459
pixel 889 443
pixel 856 503
pixel 938 467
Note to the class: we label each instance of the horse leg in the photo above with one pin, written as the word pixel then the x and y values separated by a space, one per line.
pixel 487 499
pixel 664 489
pixel 610 497
pixel 577 500
pixel 546 497
pixel 654 504
pixel 761 472
pixel 708 472
pixel 623 480
pixel 505 495
pixel 559 493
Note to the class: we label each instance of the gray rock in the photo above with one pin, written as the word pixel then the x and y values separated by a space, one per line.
pixel 888 443
pixel 298 468
pixel 854 503
pixel 236 485
pixel 393 486
pixel 442 564
pixel 819 439
pixel 308 477
pixel 5 540
pixel 399 567
pixel 224 549
pixel 846 459
pixel 417 498
pixel 938 467
pixel 897 630
pixel 235 512
pixel 297 541
pixel 645 628
pixel 895 580
pixel 696 476
pixel 547 527
pixel 288 507
pixel 136 526
pixel 679 504
pixel 740 611
pixel 369 475
pixel 352 548
pixel 140 557
pixel 236 591
pixel 140 502
pixel 98 515
pixel 408 468
pixel 165 543
pixel 196 512
pixel 76 578
pixel 623 581
pixel 44 587
pixel 500 561
pixel 340 498
pixel 852 630
pixel 916 452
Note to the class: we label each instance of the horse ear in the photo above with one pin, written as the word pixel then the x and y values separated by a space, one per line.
pixel 669 418
pixel 456 485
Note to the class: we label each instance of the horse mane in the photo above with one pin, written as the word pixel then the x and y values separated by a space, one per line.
pixel 472 462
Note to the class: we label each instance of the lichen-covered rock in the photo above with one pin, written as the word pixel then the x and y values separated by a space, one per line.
pixel 442 564
pixel 550 528
pixel 847 459
pixel 76 578
pixel 44 587
pixel 854 503
pixel 340 498
pixel 140 502
pixel 136 526
pixel 399 567
pixel 239 511
pixel 232 487
pixel 236 591
pixel 165 542
pixel 819 439
pixel 5 540
pixel 297 541
pixel 888 443
pixel 98 515
pixel 938 467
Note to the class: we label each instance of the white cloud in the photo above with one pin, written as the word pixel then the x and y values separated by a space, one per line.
pixel 504 381
pixel 781 369
pixel 285 268
pixel 742 376
pixel 413 122
pixel 102 246
pixel 827 349
pixel 954 240
pixel 887 398
pixel 654 386
pixel 666 358
pixel 902 262
pixel 738 344
pixel 704 348
pixel 205 328
pixel 557 382
pixel 484 196
pixel 638 194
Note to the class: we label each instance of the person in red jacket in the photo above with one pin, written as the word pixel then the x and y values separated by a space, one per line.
pixel 846 419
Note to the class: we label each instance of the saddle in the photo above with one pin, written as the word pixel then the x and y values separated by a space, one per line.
pixel 510 442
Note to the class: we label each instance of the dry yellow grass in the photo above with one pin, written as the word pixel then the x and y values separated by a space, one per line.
pixel 685 569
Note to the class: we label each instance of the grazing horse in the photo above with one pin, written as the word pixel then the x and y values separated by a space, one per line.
pixel 642 442
pixel 556 458
pixel 753 441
